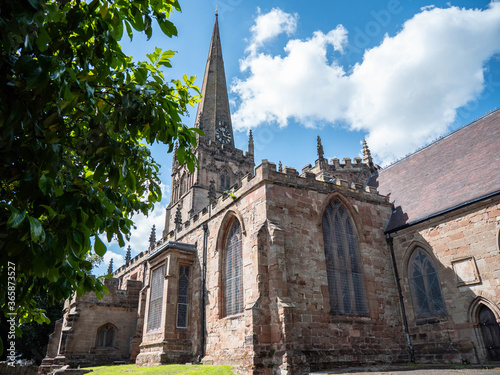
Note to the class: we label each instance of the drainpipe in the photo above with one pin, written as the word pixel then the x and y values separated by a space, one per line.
pixel 202 294
pixel 389 241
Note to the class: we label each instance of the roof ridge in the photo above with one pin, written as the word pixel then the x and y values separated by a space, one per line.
pixel 419 149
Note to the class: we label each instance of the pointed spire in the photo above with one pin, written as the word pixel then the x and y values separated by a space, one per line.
pixel 320 148
pixel 280 167
pixel 250 143
pixel 213 110
pixel 212 195
pixel 128 255
pixel 110 267
pixel 367 155
pixel 152 237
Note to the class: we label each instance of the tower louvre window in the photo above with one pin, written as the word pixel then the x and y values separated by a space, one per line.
pixel 343 262
pixel 424 285
pixel 233 271
pixel 156 299
pixel 182 297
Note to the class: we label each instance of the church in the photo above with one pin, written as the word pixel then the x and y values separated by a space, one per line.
pixel 279 271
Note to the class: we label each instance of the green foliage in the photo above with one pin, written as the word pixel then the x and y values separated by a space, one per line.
pixel 35 337
pixel 163 370
pixel 76 115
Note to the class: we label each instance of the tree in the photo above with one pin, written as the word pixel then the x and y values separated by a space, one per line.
pixel 76 115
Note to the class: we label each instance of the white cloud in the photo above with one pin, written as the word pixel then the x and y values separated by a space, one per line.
pixel 139 239
pixel 404 93
pixel 270 25
pixel 117 260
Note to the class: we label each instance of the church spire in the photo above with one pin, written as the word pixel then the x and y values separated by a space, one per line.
pixel 213 116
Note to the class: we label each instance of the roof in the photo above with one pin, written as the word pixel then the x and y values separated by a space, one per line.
pixel 461 167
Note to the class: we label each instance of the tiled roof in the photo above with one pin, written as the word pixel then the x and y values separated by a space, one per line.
pixel 461 167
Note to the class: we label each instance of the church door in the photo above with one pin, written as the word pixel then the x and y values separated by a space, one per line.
pixel 491 333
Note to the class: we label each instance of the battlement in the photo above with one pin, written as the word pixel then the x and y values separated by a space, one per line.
pixel 324 176
pixel 116 296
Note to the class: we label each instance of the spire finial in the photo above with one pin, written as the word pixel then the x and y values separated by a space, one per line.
pixel 212 196
pixel 110 267
pixel 152 237
pixel 367 155
pixel 175 163
pixel 250 143
pixel 128 256
pixel 178 217
pixel 320 148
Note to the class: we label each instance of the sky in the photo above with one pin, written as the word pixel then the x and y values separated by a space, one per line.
pixel 399 74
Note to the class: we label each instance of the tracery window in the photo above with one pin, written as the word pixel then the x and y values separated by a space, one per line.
pixel 106 336
pixel 346 284
pixel 182 297
pixel 424 286
pixel 156 299
pixel 233 271
pixel 225 181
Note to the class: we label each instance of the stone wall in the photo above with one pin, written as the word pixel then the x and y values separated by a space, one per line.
pixel 464 247
pixel 77 338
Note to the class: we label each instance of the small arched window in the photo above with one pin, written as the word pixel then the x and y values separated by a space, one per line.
pixel 106 336
pixel 424 286
pixel 233 271
pixel 346 284
pixel 225 181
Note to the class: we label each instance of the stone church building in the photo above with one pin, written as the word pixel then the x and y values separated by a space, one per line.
pixel 279 271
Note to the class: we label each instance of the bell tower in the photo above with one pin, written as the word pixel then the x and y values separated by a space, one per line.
pixel 221 165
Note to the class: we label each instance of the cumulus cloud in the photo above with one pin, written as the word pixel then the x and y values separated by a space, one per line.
pixel 403 94
pixel 139 239
pixel 268 26
pixel 118 260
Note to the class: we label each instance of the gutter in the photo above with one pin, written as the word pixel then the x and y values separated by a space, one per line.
pixel 389 241
pixel 202 295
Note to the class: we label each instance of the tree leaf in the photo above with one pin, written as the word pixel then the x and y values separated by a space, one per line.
pixel 99 246
pixel 36 230
pixel 16 218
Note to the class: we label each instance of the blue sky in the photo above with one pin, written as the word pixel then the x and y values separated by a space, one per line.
pixel 398 73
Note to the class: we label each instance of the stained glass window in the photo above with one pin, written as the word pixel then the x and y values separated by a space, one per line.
pixel 343 262
pixel 182 298
pixel 424 285
pixel 233 271
pixel 156 299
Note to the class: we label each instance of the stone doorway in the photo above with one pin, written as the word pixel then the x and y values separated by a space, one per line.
pixel 490 330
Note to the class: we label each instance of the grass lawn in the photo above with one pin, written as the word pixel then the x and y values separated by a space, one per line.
pixel 163 370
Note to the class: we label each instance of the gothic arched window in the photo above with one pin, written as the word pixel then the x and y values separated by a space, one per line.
pixel 233 271
pixel 225 181
pixel 424 286
pixel 106 336
pixel 346 284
